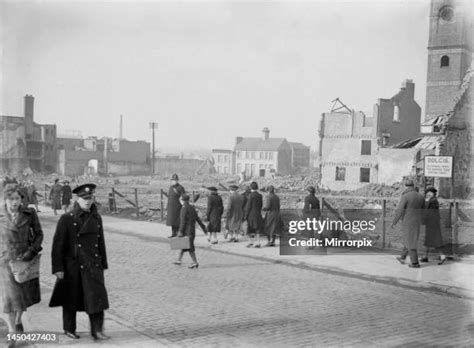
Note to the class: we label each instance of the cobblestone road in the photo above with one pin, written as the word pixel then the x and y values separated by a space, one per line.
pixel 232 300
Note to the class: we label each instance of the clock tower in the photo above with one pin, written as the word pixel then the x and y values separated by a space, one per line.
pixel 449 53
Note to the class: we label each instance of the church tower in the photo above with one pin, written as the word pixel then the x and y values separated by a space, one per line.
pixel 449 53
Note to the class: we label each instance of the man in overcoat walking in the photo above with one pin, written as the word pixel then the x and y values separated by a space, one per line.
pixel 253 215
pixel 410 211
pixel 215 209
pixel 79 260
pixel 173 208
pixel 235 213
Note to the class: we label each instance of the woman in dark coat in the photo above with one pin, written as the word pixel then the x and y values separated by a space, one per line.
pixel 215 208
pixel 432 221
pixel 21 237
pixel 235 213
pixel 174 207
pixel 55 196
pixel 311 209
pixel 66 196
pixel 187 227
pixel 253 215
pixel 78 261
pixel 272 222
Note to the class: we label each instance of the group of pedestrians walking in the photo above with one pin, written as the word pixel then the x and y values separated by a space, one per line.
pixel 413 210
pixel 78 261
pixel 60 196
pixel 247 213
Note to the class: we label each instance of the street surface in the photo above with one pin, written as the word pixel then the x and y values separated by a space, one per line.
pixel 238 301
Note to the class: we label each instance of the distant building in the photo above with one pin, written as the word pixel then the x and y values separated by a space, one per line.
pixel 77 156
pixel 262 156
pixel 224 161
pixel 350 141
pixel 25 143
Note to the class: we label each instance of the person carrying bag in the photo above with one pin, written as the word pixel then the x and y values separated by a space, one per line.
pixel 21 237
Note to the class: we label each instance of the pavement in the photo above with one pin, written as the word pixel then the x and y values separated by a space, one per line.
pixel 453 279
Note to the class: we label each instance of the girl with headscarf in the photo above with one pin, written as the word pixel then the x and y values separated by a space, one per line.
pixel 21 237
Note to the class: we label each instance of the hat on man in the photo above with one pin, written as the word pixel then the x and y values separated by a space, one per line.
pixel 66 182
pixel 431 189
pixel 185 197
pixel 174 177
pixel 409 182
pixel 212 188
pixel 233 187
pixel 311 189
pixel 85 191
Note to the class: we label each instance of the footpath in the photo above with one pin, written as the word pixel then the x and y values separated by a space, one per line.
pixel 454 278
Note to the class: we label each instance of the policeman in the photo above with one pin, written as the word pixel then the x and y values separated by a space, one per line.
pixel 79 260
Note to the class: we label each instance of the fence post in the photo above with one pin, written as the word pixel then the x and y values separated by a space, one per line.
pixel 161 204
pixel 384 206
pixel 113 197
pixel 136 203
pixel 454 227
pixel 322 205
pixel 45 193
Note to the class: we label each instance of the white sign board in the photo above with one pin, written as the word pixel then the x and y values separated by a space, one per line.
pixel 439 166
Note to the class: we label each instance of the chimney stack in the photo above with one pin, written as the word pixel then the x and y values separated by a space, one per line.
pixel 266 133
pixel 238 140
pixel 409 87
pixel 29 114
pixel 121 127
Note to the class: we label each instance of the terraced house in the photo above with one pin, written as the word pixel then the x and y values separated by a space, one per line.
pixel 262 156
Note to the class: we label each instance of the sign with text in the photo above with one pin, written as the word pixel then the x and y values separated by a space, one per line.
pixel 439 166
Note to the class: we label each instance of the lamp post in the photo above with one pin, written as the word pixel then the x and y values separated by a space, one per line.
pixel 153 126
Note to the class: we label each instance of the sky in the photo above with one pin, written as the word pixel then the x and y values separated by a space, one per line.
pixel 207 71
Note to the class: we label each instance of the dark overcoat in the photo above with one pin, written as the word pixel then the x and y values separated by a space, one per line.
pixel 235 212
pixel 67 195
pixel 187 225
pixel 410 211
pixel 174 206
pixel 432 221
pixel 55 196
pixel 25 234
pixel 79 251
pixel 272 221
pixel 253 211
pixel 215 208
pixel 312 208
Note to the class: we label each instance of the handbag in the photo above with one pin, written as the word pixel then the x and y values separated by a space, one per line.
pixel 25 270
pixel 180 243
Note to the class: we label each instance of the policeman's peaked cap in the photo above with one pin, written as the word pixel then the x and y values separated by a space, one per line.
pixel 84 191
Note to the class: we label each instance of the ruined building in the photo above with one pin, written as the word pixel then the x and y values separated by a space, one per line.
pixel 25 143
pixel 353 145
pixel 448 126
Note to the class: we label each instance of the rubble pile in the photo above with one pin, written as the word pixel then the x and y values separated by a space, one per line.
pixel 375 190
pixel 290 183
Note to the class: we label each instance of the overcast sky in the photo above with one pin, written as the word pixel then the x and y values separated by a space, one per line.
pixel 207 71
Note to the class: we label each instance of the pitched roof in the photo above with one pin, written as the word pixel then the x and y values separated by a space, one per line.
pixel 258 144
pixel 427 142
pixel 298 146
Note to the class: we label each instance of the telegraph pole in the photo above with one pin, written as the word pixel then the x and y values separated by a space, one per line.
pixel 153 126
